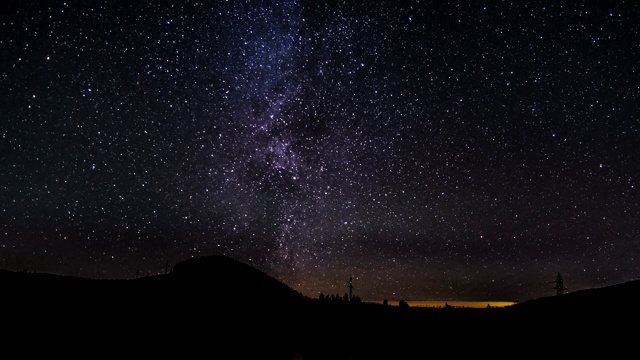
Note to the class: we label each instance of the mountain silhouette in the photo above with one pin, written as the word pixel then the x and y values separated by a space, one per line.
pixel 231 280
pixel 618 295
pixel 604 304
pixel 227 309
pixel 215 278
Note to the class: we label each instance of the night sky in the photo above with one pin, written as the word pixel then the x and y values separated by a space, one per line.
pixel 431 150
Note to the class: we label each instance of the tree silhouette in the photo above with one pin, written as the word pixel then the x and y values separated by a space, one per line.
pixel 403 304
pixel 560 289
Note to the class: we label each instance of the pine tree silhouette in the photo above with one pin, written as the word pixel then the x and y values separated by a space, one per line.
pixel 560 289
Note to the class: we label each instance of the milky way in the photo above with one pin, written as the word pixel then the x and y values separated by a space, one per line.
pixel 431 150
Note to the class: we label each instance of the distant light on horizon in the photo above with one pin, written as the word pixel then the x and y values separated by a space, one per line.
pixel 457 304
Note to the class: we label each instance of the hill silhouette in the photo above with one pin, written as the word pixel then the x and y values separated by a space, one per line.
pixel 232 281
pixel 228 309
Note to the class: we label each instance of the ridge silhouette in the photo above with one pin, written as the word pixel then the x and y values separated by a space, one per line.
pixel 222 306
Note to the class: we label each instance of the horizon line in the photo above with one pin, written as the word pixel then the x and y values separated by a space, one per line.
pixel 451 303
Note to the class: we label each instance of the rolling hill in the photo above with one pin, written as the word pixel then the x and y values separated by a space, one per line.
pixel 219 305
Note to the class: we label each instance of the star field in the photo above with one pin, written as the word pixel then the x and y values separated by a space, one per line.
pixel 431 150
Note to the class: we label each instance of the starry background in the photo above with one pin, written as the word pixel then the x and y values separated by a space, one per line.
pixel 431 150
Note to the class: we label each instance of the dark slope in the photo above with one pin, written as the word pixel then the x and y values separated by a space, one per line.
pixel 605 306
pixel 221 307
pixel 231 281
pixel 211 305
pixel 619 295
pixel 218 279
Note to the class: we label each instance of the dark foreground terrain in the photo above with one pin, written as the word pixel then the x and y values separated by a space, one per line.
pixel 218 308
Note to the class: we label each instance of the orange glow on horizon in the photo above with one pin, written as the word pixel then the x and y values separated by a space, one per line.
pixel 441 304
